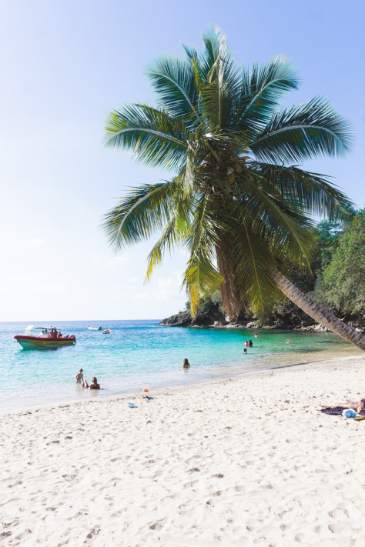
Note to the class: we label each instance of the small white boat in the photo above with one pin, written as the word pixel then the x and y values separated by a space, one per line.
pixel 94 328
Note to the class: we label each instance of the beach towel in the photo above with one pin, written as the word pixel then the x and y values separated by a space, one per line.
pixel 337 411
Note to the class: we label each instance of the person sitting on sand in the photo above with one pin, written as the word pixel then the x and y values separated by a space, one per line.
pixel 94 383
pixel 80 377
pixel 186 363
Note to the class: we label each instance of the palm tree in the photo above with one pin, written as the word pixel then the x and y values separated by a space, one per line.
pixel 236 200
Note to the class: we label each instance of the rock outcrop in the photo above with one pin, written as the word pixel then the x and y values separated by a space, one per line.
pixel 294 319
pixel 217 320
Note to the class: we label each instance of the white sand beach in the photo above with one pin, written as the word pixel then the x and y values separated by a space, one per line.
pixel 240 462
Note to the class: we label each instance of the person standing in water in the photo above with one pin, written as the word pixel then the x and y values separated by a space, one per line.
pixel 80 377
pixel 186 363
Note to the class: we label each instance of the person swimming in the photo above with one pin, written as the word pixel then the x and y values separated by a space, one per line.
pixel 80 377
pixel 250 344
pixel 186 363
pixel 245 350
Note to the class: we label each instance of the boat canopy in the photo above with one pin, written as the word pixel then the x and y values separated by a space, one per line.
pixel 29 329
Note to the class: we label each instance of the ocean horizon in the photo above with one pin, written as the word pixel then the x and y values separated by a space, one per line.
pixel 140 354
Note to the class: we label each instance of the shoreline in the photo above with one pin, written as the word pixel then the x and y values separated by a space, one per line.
pixel 137 394
pixel 231 463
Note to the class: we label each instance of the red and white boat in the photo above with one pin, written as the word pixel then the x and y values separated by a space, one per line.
pixel 49 338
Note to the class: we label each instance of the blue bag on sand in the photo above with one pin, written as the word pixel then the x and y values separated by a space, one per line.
pixel 349 413
pixel 131 405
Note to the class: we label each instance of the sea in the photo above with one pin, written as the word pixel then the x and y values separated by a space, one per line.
pixel 139 355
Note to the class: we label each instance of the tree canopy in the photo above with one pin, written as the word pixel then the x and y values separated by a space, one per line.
pixel 344 276
pixel 237 200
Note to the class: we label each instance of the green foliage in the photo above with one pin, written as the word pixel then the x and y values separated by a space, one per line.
pixel 210 302
pixel 236 201
pixel 329 232
pixel 344 276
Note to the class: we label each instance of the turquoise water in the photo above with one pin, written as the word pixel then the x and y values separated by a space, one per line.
pixel 139 354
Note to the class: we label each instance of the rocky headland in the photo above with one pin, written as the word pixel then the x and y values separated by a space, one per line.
pixel 215 319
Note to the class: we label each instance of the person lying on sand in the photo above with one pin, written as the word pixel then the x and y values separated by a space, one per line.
pixel 80 377
pixel 186 363
pixel 357 405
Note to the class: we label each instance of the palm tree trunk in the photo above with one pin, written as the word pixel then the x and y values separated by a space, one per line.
pixel 312 308
pixel 232 302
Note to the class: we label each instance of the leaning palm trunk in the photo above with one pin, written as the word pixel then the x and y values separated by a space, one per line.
pixel 319 314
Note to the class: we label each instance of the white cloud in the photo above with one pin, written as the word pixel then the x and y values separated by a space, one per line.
pixel 167 289
pixel 133 279
pixel 117 260
pixel 38 241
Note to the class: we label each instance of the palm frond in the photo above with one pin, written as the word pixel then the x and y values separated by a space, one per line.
pixel 261 91
pixel 200 276
pixel 173 234
pixel 173 80
pixel 272 219
pixel 156 138
pixel 252 260
pixel 303 132
pixel 138 215
pixel 312 192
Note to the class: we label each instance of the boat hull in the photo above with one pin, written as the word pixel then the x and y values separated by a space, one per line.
pixel 32 342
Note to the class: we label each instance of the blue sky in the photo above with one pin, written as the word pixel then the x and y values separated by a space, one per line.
pixel 63 65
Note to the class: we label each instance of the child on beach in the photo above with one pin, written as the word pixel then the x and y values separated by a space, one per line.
pixel 80 377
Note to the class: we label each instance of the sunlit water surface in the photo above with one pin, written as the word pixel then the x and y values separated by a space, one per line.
pixel 139 354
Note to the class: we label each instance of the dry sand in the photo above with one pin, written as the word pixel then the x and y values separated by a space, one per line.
pixel 244 462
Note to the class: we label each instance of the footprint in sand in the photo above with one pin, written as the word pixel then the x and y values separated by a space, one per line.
pixel 157 525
